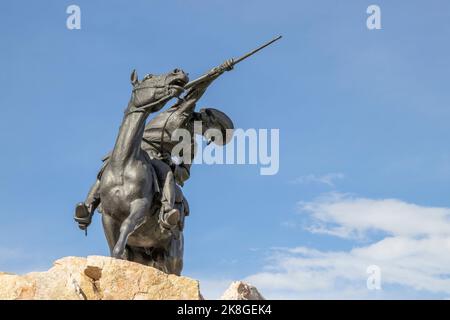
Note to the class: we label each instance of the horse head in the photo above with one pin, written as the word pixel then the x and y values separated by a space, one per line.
pixel 153 91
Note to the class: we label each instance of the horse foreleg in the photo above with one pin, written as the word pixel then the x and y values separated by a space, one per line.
pixel 138 212
pixel 112 230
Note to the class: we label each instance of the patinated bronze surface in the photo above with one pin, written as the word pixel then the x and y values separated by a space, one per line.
pixel 138 188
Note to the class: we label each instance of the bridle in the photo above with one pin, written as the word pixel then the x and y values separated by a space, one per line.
pixel 145 107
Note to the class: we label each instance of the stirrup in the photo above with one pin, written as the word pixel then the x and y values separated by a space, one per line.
pixel 82 214
pixel 170 219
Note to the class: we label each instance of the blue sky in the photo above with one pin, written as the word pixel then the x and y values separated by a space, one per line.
pixel 363 118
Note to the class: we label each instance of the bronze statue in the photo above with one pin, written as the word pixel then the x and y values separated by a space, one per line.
pixel 138 188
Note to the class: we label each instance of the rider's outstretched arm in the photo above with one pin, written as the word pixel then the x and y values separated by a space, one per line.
pixel 197 91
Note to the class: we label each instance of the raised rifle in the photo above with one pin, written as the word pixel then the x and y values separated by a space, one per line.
pixel 231 63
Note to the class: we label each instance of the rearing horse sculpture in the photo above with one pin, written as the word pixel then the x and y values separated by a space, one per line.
pixel 128 183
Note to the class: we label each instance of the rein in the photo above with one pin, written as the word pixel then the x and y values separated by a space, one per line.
pixel 145 107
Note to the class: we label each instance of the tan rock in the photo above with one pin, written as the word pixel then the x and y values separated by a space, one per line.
pixel 240 290
pixel 98 278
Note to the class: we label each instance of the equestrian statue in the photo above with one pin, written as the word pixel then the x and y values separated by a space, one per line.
pixel 138 189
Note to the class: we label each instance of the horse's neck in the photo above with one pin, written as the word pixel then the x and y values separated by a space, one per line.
pixel 128 143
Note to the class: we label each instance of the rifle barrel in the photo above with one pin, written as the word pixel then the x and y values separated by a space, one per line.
pixel 235 61
pixel 245 56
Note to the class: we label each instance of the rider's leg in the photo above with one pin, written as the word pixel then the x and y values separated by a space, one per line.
pixel 169 214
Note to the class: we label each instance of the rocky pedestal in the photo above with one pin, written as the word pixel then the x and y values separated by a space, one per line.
pixel 239 290
pixel 105 278
pixel 98 278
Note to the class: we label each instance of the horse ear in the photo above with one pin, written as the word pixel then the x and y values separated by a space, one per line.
pixel 134 77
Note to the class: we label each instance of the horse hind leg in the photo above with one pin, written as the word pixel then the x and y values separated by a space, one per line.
pixel 174 260
pixel 175 249
pixel 152 257
pixel 138 213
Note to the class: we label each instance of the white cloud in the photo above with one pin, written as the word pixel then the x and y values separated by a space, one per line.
pixel 327 179
pixel 412 248
pixel 346 216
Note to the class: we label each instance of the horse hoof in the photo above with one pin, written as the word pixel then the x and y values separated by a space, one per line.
pixel 117 254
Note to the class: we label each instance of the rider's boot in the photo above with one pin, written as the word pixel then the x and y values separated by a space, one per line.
pixel 170 218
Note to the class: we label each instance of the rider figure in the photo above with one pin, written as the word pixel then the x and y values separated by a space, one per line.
pixel 158 144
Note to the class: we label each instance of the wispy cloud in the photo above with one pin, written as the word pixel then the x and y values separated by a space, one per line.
pixel 349 217
pixel 413 254
pixel 327 179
